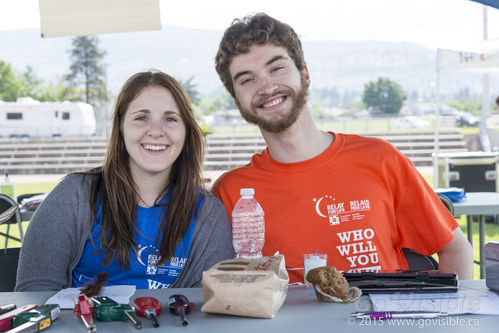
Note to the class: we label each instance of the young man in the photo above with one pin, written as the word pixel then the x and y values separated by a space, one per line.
pixel 357 199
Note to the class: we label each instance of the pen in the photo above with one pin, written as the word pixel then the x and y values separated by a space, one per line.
pixel 7 308
pixel 390 315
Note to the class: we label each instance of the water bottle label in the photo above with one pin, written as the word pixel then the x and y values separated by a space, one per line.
pixel 8 189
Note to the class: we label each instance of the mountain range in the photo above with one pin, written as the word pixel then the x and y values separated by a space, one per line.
pixel 184 52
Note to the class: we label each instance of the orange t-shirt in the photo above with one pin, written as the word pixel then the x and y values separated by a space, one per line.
pixel 360 201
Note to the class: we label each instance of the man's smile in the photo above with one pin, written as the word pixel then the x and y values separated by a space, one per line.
pixel 273 102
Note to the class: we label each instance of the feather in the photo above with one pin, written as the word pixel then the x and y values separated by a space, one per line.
pixel 94 287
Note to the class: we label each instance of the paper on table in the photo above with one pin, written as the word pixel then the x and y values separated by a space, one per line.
pixel 120 294
pixel 461 302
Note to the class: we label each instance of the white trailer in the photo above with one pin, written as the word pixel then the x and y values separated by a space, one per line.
pixel 30 118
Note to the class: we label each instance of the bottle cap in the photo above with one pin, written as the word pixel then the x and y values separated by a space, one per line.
pixel 247 191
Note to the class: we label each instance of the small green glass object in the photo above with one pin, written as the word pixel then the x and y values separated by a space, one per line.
pixel 108 310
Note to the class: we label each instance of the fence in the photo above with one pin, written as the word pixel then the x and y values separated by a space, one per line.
pixel 62 155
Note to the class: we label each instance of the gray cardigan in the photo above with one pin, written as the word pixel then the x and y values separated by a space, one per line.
pixel 57 233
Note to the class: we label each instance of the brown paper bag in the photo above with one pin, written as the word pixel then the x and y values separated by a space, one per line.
pixel 246 287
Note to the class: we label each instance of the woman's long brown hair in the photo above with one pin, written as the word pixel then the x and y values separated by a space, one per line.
pixel 114 185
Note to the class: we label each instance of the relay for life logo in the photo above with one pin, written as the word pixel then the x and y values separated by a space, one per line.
pixel 172 268
pixel 356 245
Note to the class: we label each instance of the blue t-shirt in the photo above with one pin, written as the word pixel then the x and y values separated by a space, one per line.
pixel 143 272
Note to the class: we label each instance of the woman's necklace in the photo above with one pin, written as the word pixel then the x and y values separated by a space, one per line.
pixel 144 204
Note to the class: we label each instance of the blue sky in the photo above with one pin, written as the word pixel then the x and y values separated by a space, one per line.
pixel 451 24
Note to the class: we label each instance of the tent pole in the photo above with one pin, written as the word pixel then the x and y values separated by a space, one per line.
pixel 484 136
pixel 437 130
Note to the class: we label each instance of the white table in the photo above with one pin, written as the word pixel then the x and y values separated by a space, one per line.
pixel 480 204
pixel 301 313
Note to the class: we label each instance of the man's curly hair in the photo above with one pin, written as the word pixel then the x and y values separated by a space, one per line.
pixel 255 29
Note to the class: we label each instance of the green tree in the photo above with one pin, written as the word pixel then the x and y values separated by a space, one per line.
pixel 223 101
pixel 329 96
pixel 210 105
pixel 356 106
pixel 10 86
pixel 87 69
pixel 226 100
pixel 474 107
pixel 59 91
pixel 383 96
pixel 191 89
pixel 31 85
pixel 318 111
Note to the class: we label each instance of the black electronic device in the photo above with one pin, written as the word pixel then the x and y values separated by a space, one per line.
pixel 491 255
pixel 385 282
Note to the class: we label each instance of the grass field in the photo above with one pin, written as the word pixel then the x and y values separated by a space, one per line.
pixel 369 126
pixel 23 188
pixel 491 230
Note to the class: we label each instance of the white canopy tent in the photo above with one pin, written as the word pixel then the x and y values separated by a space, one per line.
pixel 90 17
pixel 482 59
pixel 485 60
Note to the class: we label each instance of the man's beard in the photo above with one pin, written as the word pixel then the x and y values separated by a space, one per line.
pixel 299 100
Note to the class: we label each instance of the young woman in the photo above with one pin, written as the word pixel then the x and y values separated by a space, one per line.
pixel 144 216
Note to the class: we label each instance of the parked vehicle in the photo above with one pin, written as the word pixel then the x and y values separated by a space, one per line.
pixel 409 122
pixel 466 119
pixel 30 118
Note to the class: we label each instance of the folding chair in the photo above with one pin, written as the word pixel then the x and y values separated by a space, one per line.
pixel 6 203
pixel 21 197
pixel 9 259
pixel 419 262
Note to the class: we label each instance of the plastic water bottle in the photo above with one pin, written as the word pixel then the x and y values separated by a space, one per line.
pixel 8 187
pixel 248 226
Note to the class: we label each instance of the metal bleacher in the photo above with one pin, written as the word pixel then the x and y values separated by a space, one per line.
pixel 63 155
